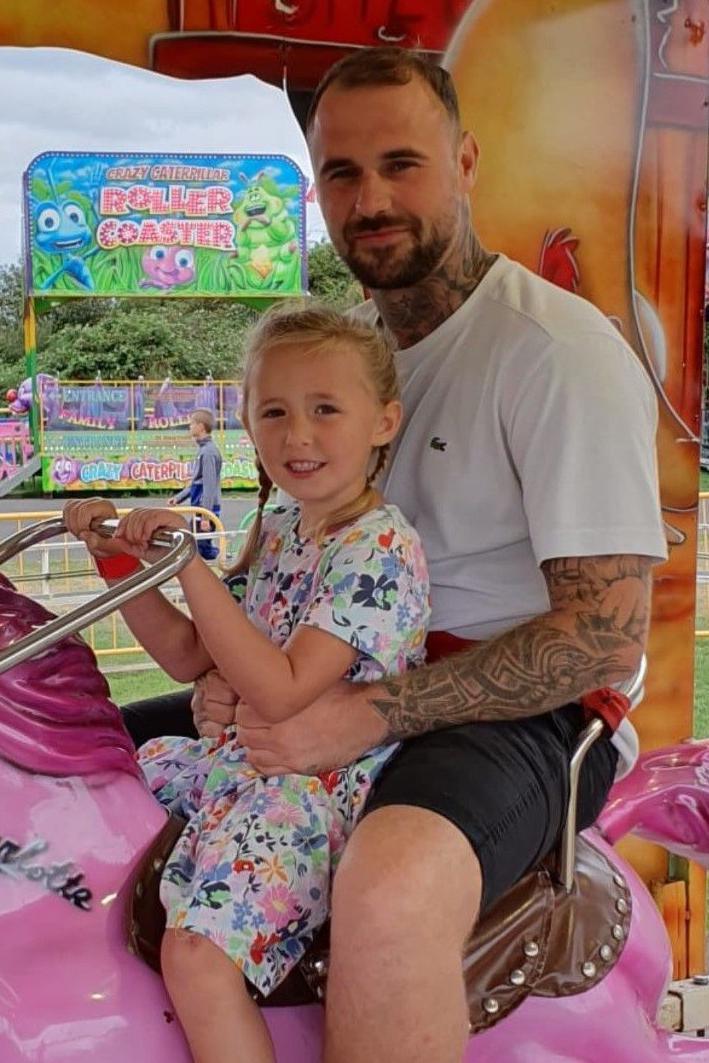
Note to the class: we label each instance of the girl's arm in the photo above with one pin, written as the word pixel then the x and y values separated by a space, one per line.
pixel 166 633
pixel 277 681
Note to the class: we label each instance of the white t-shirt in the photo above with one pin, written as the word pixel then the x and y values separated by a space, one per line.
pixel 528 434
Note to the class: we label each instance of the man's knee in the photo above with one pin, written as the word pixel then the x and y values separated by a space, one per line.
pixel 405 868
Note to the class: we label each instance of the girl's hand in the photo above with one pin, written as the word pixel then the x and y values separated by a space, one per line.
pixel 79 515
pixel 138 527
pixel 213 704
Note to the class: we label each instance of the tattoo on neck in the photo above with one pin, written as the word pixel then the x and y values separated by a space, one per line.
pixel 411 314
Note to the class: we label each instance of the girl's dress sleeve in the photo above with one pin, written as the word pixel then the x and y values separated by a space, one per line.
pixel 373 593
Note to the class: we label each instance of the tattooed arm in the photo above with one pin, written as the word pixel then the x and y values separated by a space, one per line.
pixel 593 636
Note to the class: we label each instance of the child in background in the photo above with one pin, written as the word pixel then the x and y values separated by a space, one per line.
pixel 205 488
pixel 335 586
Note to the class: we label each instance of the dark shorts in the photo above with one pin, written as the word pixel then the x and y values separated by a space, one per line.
pixel 504 785
pixel 164 714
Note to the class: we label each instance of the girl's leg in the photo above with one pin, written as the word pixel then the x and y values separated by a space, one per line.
pixel 221 1021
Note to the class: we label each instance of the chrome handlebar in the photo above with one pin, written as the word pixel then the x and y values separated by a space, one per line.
pixel 181 549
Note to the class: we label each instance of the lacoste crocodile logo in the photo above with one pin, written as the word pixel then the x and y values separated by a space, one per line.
pixel 438 444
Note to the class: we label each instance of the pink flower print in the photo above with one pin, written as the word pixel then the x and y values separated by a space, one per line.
pixel 279 907
pixel 381 643
pixel 284 814
pixel 158 783
pixel 210 860
pixel 336 836
pixel 220 939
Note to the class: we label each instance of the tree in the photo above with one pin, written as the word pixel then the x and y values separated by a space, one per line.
pixel 124 338
pixel 330 279
pixel 153 339
pixel 11 348
pixel 10 296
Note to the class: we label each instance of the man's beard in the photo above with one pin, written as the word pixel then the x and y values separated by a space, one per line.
pixel 384 269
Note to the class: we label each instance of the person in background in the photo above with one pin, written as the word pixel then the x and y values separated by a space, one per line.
pixel 205 487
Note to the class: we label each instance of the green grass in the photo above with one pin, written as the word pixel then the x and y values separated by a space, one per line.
pixel 701 689
pixel 133 686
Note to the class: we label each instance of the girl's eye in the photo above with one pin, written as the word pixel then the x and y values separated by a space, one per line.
pixel 273 412
pixel 326 407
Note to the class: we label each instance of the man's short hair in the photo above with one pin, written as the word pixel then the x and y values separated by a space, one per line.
pixel 387 66
pixel 205 418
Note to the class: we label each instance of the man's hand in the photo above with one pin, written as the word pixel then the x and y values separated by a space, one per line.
pixel 213 704
pixel 332 732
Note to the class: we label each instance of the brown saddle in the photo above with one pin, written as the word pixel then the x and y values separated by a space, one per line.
pixel 536 940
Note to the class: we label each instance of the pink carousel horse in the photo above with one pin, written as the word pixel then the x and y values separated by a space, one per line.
pixel 575 975
pixel 76 818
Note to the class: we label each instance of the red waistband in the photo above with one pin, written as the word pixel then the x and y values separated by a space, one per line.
pixel 442 644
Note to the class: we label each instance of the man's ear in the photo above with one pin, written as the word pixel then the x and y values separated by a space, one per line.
pixel 469 156
pixel 389 423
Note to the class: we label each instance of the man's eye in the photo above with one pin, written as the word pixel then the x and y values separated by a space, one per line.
pixel 399 165
pixel 341 175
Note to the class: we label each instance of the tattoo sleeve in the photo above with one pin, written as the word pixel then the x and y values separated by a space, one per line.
pixel 593 636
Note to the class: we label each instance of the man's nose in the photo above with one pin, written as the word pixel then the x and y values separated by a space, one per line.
pixel 373 196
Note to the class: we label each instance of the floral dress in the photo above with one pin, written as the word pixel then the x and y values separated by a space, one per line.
pixel 253 867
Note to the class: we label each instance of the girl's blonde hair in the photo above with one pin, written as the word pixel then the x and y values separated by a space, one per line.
pixel 317 328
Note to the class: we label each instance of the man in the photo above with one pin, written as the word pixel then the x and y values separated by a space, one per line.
pixel 205 487
pixel 526 462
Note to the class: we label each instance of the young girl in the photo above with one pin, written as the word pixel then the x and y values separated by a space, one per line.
pixel 336 587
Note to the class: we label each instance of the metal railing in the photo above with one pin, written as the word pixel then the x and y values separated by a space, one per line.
pixel 178 549
pixel 50 571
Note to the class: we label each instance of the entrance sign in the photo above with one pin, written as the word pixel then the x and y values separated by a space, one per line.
pixel 133 435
